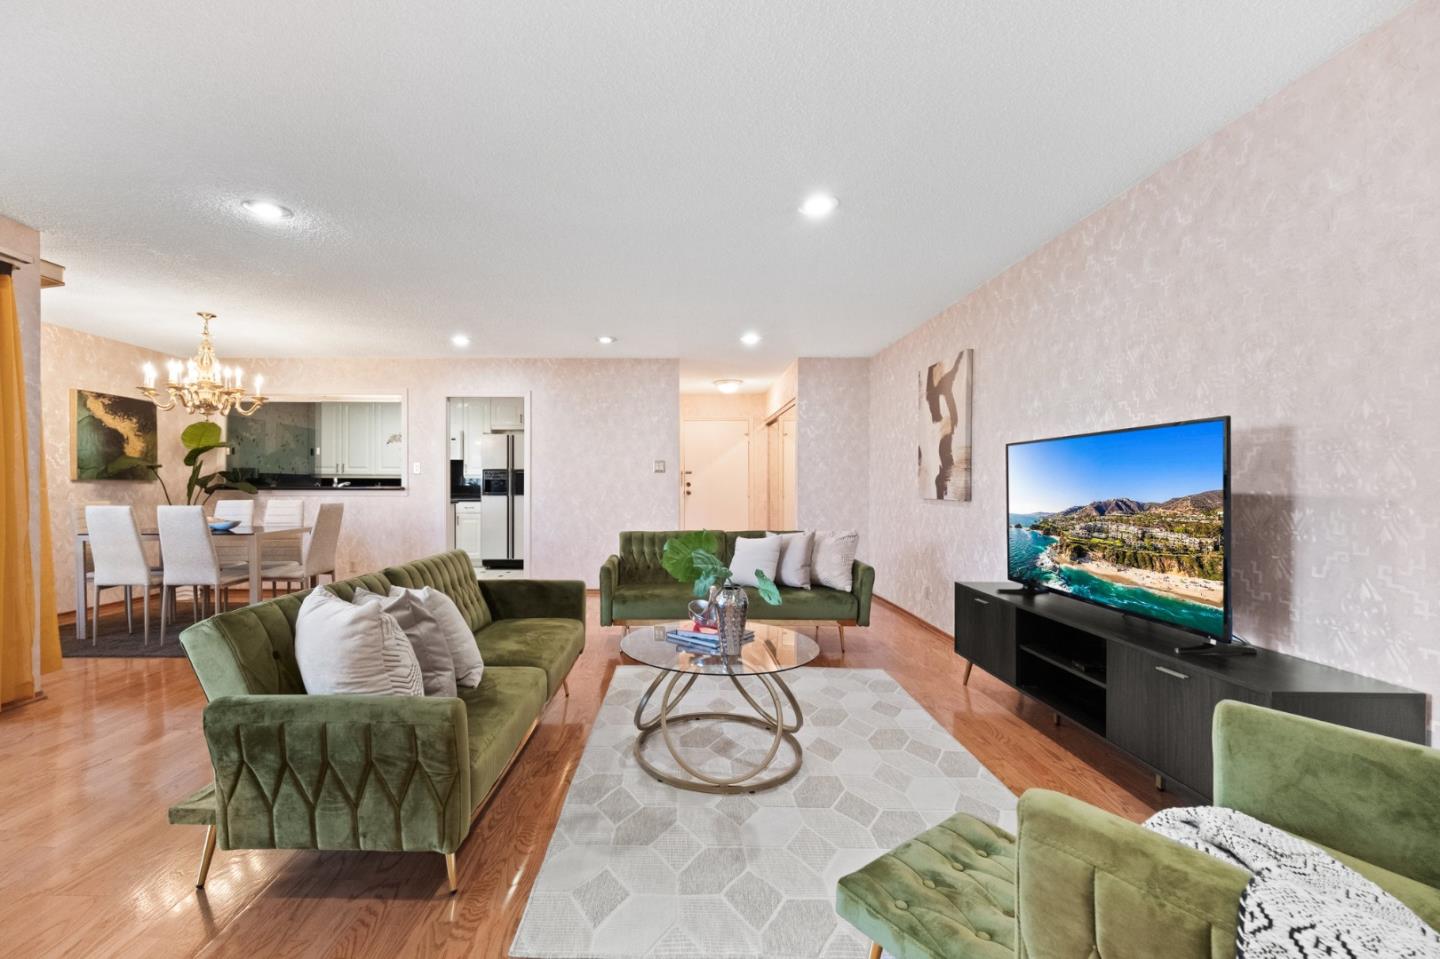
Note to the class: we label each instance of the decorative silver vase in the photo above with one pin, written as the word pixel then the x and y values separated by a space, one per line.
pixel 730 610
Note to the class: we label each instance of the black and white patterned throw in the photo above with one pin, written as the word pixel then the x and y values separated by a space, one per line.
pixel 1301 903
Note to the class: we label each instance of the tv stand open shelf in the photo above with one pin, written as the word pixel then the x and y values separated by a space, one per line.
pixel 1120 678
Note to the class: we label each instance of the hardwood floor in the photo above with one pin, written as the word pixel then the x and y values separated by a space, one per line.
pixel 90 867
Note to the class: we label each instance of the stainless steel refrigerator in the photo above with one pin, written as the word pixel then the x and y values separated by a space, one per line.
pixel 502 500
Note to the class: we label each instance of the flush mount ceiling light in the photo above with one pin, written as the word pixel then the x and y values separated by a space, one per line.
pixel 750 338
pixel 818 206
pixel 728 386
pixel 460 340
pixel 605 340
pixel 267 211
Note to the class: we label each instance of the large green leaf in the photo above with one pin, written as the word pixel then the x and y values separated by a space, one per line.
pixel 124 464
pixel 766 587
pixel 678 557
pixel 708 571
pixel 192 456
pixel 203 433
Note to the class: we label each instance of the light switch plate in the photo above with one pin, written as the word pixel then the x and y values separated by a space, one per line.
pixel 659 466
pixel 415 468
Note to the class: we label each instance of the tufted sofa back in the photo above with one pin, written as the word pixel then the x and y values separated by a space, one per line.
pixel 453 574
pixel 640 552
pixel 251 650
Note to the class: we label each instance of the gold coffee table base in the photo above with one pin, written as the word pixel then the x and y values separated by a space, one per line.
pixel 773 720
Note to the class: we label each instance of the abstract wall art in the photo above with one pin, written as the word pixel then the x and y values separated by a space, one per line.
pixel 106 431
pixel 943 457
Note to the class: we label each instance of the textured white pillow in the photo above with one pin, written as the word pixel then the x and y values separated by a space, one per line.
pixel 832 564
pixel 423 631
pixel 341 648
pixel 795 553
pixel 752 553
pixel 469 667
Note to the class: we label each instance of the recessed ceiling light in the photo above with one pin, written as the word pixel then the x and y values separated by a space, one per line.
pixel 460 340
pixel 750 338
pixel 728 386
pixel 267 211
pixel 818 206
pixel 605 340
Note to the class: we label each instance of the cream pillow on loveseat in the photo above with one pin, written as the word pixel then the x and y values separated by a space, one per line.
pixel 834 559
pixel 796 550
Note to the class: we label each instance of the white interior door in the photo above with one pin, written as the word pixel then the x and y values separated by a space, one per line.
pixel 715 464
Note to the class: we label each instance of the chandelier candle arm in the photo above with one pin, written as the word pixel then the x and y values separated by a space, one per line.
pixel 203 385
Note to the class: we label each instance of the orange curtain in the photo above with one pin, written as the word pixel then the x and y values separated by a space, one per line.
pixel 25 612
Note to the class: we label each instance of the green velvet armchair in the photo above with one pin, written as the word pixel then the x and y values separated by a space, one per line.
pixel 635 588
pixel 1079 882
pixel 396 773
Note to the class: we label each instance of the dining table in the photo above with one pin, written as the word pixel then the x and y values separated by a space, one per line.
pixel 253 536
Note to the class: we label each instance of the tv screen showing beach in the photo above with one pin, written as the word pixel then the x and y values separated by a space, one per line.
pixel 1133 520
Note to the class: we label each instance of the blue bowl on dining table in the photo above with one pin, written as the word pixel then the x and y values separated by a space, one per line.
pixel 223 525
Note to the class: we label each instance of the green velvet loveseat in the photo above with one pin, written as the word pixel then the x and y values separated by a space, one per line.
pixel 1079 882
pixel 394 773
pixel 634 588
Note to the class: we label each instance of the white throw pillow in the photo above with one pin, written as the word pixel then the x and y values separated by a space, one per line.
pixel 426 637
pixel 795 553
pixel 834 558
pixel 342 648
pixel 469 667
pixel 752 553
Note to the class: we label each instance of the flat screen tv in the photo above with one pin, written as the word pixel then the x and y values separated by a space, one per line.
pixel 1135 520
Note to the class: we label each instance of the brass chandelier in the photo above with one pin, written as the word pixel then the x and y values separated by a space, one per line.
pixel 203 385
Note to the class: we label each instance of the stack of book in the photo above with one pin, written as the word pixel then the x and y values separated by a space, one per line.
pixel 700 639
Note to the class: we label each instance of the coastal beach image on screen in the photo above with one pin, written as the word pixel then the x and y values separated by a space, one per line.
pixel 1134 520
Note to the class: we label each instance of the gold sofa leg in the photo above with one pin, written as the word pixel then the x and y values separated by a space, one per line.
pixel 875 950
pixel 565 685
pixel 841 627
pixel 206 854
pixel 450 872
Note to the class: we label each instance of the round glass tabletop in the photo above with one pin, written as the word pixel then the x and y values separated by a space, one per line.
pixel 773 650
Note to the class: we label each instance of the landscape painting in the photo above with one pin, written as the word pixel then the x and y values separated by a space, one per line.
pixel 1133 520
pixel 107 431
pixel 944 429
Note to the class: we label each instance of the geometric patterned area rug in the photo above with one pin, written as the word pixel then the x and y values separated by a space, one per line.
pixel 637 868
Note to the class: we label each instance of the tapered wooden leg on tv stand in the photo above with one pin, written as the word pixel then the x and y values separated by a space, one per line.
pixel 968 666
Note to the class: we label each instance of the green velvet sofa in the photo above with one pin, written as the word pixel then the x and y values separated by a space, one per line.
pixel 634 588
pixel 394 773
pixel 1078 882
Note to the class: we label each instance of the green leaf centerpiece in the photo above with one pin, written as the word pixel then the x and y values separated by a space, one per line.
pixel 691 557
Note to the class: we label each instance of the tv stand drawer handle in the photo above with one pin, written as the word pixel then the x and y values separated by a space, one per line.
pixel 982 602
pixel 1170 672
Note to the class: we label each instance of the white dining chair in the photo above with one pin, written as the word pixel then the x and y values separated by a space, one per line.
pixel 317 554
pixel 120 561
pixel 243 512
pixel 190 559
pixel 285 549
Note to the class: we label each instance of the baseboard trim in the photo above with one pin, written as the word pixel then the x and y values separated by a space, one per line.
pixel 906 614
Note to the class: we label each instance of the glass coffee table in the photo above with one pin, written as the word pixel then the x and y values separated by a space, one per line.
pixel 773 651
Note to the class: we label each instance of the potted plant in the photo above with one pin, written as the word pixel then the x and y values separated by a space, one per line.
pixel 199 439
pixel 691 557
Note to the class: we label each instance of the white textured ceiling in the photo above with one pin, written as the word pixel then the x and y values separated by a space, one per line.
pixel 536 173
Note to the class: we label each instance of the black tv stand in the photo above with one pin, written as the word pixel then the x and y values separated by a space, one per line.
pixel 1132 682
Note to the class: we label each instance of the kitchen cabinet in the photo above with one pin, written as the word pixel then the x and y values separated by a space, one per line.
pixel 469 421
pixel 355 439
pixel 468 529
pixel 507 413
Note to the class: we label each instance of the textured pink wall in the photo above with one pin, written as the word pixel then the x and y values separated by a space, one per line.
pixel 596 428
pixel 1287 272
